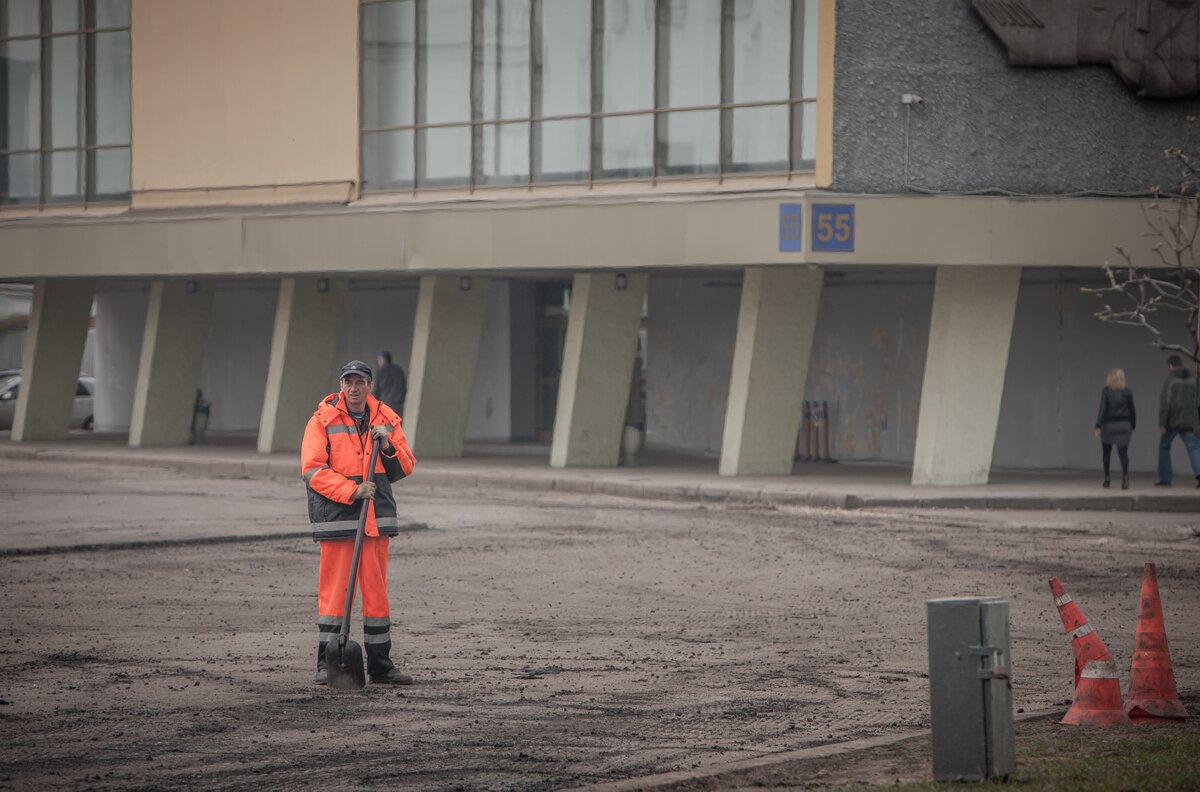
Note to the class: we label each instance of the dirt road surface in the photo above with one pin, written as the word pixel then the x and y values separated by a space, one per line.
pixel 556 640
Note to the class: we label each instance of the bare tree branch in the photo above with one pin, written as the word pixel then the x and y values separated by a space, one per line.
pixel 1152 296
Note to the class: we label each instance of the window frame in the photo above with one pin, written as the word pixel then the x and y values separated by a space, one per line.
pixel 795 103
pixel 86 30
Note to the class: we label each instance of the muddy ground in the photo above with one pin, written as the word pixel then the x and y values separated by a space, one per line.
pixel 556 640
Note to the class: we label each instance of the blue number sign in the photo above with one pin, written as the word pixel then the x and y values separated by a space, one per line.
pixel 791 216
pixel 833 228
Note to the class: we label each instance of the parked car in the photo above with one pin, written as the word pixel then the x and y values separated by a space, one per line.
pixel 81 410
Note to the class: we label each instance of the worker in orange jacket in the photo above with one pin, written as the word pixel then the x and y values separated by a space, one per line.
pixel 333 461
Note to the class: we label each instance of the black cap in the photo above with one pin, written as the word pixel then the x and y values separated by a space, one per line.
pixel 356 367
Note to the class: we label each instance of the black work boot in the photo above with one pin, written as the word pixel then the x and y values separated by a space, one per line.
pixel 391 677
pixel 322 678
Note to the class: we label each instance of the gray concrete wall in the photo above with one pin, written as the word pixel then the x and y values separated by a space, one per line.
pixel 984 124
pixel 1057 364
pixel 489 416
pixel 237 352
pixel 868 360
pixel 233 377
pixel 12 347
pixel 238 356
pixel 691 326
pixel 379 317
pixel 15 301
pixel 120 324
pixel 523 341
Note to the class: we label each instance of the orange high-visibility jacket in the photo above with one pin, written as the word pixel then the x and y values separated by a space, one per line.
pixel 333 461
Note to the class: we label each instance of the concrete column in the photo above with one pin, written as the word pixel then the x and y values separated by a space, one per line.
pixel 302 367
pixel 597 367
pixel 54 341
pixel 177 317
pixel 120 325
pixel 448 326
pixel 969 334
pixel 776 322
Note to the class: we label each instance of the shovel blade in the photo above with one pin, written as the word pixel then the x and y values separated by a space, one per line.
pixel 344 666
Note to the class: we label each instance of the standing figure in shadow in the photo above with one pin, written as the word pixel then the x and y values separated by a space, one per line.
pixel 1116 422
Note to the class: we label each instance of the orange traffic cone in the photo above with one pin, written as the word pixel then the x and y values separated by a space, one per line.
pixel 1097 689
pixel 1152 693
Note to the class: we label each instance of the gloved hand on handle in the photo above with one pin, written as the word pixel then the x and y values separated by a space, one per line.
pixel 381 434
pixel 365 490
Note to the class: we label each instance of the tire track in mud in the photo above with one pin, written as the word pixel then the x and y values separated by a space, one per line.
pixel 554 644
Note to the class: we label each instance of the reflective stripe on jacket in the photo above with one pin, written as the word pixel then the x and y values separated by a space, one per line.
pixel 333 461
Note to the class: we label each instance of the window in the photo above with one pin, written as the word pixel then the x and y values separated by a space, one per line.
pixel 64 101
pixel 466 93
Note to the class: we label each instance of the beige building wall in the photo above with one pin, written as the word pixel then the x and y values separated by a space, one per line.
pixel 826 46
pixel 244 101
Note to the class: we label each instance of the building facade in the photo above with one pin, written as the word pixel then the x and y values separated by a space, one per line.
pixel 765 202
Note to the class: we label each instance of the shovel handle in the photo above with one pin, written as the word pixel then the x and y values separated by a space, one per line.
pixel 358 543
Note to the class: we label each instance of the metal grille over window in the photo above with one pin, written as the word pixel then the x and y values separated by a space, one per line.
pixel 474 93
pixel 64 101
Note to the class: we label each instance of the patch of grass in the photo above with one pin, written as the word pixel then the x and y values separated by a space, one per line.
pixel 1095 761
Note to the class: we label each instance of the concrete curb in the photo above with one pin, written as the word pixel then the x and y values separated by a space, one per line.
pixel 724 775
pixel 672 491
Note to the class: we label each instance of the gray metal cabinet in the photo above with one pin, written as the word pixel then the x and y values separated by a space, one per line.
pixel 970 690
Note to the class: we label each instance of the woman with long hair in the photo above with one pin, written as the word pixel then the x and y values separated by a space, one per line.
pixel 1116 423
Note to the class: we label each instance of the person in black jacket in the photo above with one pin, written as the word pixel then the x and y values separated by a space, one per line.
pixel 1116 423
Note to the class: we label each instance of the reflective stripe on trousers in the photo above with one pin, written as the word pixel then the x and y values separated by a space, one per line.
pixel 371 594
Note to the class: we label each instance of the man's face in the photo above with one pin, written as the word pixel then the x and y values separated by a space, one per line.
pixel 355 388
pixel 381 360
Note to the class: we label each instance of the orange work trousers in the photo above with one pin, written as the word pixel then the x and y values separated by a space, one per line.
pixel 371 592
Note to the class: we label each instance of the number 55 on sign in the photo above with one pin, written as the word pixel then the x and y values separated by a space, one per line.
pixel 833 228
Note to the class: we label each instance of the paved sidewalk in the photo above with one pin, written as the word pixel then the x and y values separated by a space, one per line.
pixel 662 476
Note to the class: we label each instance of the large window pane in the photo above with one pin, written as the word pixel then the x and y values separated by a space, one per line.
pixel 761 47
pixel 111 88
pixel 628 55
pixel 110 173
pixel 21 94
pixel 66 91
pixel 19 18
pixel 447 156
pixel 20 178
pixel 505 154
pixel 64 16
pixel 808 133
pixel 760 139
pixel 112 13
pixel 694 57
pixel 628 149
pixel 811 22
pixel 387 160
pixel 692 141
pixel 448 61
pixel 564 151
pixel 566 57
pixel 505 59
pixel 389 54
pixel 67 176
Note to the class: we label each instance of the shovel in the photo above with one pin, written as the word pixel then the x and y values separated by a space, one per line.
pixel 344 658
